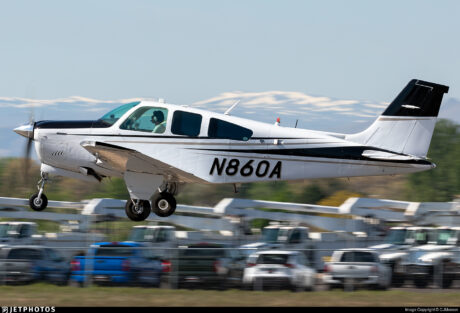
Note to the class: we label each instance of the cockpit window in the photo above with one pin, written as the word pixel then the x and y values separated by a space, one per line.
pixel 113 116
pixel 225 130
pixel 147 119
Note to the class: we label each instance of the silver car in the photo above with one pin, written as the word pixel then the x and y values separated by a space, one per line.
pixel 278 269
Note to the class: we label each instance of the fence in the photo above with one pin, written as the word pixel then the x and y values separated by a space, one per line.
pixel 216 267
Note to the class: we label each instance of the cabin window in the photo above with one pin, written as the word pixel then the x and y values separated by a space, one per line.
pixel 225 130
pixel 186 123
pixel 147 119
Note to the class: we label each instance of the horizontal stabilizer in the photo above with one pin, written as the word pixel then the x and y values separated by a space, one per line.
pixel 382 155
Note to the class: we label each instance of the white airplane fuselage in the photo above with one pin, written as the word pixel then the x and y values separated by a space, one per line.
pixel 154 146
pixel 272 153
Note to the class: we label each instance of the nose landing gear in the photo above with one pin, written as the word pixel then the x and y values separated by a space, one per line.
pixel 38 201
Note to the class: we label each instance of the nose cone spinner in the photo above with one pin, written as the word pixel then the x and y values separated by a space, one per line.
pixel 25 130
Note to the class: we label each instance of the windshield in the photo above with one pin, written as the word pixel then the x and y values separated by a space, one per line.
pixel 3 230
pixel 114 250
pixel 283 235
pixel 270 234
pixel 396 236
pixel 357 256
pixel 272 259
pixel 113 116
pixel 137 234
pixel 443 236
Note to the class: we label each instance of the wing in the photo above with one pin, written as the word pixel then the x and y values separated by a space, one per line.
pixel 121 159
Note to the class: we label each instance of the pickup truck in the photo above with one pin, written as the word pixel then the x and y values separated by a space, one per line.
pixel 126 263
pixel 206 265
pixel 436 262
pixel 396 247
pixel 350 268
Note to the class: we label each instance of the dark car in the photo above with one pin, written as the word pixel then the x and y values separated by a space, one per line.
pixel 207 265
pixel 26 264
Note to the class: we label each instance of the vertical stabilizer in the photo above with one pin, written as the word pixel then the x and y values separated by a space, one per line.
pixel 407 124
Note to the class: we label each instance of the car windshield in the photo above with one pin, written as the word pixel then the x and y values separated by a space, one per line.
pixel 138 234
pixel 396 236
pixel 3 230
pixel 270 234
pixel 443 236
pixel 272 259
pixel 114 250
pixel 203 252
pixel 357 256
pixel 113 116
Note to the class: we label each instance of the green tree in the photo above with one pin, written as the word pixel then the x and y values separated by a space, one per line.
pixel 443 182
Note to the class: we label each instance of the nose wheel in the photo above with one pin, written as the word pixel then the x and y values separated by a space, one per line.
pixel 137 210
pixel 38 201
pixel 163 204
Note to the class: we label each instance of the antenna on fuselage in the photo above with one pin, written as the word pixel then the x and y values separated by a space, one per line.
pixel 232 107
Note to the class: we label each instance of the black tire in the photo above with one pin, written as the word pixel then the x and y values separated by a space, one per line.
pixel 135 216
pixel 447 281
pixel 447 278
pixel 397 280
pixel 164 204
pixel 38 204
pixel 421 282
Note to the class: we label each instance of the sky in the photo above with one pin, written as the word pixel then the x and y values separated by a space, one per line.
pixel 99 53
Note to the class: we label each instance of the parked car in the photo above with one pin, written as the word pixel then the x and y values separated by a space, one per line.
pixel 26 264
pixel 356 268
pixel 206 265
pixel 278 269
pixel 438 261
pixel 126 263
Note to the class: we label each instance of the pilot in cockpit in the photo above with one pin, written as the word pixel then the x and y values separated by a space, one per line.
pixel 158 119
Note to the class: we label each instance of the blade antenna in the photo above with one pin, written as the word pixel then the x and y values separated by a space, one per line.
pixel 232 107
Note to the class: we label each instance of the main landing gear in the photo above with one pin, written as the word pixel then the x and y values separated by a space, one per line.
pixel 38 201
pixel 162 204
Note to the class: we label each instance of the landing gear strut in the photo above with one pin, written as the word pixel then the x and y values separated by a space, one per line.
pixel 38 201
pixel 137 210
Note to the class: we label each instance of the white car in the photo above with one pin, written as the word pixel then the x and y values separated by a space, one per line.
pixel 278 269
pixel 356 267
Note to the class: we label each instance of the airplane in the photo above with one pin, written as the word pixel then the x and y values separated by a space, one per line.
pixel 155 147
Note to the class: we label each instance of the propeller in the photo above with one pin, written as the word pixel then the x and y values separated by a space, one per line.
pixel 30 139
pixel 28 132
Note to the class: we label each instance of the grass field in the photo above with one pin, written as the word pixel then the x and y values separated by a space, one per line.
pixel 50 295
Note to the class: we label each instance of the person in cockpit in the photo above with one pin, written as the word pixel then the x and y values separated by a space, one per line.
pixel 158 119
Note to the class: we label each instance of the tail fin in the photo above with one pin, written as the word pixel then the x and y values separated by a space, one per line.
pixel 407 124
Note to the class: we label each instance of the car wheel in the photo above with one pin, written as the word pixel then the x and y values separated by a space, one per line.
pixel 397 280
pixel 421 282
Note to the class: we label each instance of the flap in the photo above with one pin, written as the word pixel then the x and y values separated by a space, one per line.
pixel 123 159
